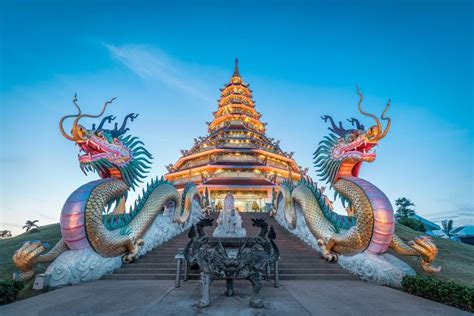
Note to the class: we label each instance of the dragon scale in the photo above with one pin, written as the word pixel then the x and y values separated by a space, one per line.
pixel 82 221
pixel 368 232
pixel 86 221
pixel 370 223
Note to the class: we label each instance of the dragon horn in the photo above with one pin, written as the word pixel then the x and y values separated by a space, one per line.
pixel 75 128
pixel 123 128
pixel 108 119
pixel 389 121
pixel 337 130
pixel 61 121
pixel 361 97
pixel 355 122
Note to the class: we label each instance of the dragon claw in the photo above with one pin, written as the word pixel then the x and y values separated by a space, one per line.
pixel 132 255
pixel 428 251
pixel 25 259
pixel 327 254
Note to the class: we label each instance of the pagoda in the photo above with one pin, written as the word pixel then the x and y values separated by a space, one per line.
pixel 236 155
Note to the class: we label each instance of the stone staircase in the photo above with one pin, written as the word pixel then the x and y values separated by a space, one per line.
pixel 298 260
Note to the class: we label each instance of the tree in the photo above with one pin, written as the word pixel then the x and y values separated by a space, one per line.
pixel 413 223
pixel 5 234
pixel 404 210
pixel 31 226
pixel 447 226
pixel 405 215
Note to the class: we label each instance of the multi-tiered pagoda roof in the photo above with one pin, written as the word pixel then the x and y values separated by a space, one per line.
pixel 236 155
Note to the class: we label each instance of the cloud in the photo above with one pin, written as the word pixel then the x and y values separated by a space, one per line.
pixel 462 215
pixel 153 64
pixel 11 225
pixel 46 216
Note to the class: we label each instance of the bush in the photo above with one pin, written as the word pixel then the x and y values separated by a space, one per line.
pixel 445 292
pixel 412 223
pixel 9 290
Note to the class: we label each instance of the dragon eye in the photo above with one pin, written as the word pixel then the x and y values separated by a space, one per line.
pixel 116 141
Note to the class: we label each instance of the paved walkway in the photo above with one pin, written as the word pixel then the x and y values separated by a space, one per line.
pixel 111 297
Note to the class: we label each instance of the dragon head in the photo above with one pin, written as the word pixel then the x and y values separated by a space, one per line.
pixel 342 152
pixel 108 151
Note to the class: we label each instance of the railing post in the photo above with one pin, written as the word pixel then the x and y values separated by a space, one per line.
pixel 178 273
pixel 179 260
pixel 186 270
pixel 276 275
pixel 267 272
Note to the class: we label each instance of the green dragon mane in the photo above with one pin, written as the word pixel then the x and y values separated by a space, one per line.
pixel 325 165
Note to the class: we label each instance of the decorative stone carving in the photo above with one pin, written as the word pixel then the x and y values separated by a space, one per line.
pixel 231 258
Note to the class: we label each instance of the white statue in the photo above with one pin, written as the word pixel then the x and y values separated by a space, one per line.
pixel 229 221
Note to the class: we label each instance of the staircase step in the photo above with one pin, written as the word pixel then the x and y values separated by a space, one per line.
pixel 322 276
pixel 298 261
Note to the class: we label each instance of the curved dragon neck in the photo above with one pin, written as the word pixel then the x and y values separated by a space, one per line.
pixel 123 230
pixel 379 210
pixel 83 223
pixel 73 219
pixel 338 221
pixel 370 227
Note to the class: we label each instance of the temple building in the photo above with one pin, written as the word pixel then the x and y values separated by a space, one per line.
pixel 236 155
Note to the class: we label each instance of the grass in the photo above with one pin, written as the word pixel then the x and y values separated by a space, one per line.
pixel 49 233
pixel 455 258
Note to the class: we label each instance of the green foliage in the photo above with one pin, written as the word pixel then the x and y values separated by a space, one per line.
pixel 412 223
pixel 445 292
pixel 9 290
pixel 404 209
pixel 404 214
pixel 31 225
pixel 5 234
pixel 447 226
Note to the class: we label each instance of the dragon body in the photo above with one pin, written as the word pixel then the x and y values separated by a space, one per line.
pixel 370 224
pixel 86 218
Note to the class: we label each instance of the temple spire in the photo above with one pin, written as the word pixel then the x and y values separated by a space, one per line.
pixel 236 68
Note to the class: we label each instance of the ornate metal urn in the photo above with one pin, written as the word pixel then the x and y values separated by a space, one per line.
pixel 232 258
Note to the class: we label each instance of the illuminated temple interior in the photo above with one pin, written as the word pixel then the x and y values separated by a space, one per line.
pixel 236 155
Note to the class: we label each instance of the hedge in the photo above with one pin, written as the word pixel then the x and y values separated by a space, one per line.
pixel 9 290
pixel 445 292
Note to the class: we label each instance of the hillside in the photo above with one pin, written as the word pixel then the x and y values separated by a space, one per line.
pixel 48 233
pixel 455 258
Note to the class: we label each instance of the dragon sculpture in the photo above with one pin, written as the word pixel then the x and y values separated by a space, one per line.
pixel 370 223
pixel 122 162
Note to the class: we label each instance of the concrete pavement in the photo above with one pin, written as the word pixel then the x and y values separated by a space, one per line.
pixel 111 297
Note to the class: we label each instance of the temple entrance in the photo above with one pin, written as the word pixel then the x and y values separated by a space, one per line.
pixel 245 201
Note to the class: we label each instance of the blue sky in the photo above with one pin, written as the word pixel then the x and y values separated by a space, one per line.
pixel 167 62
